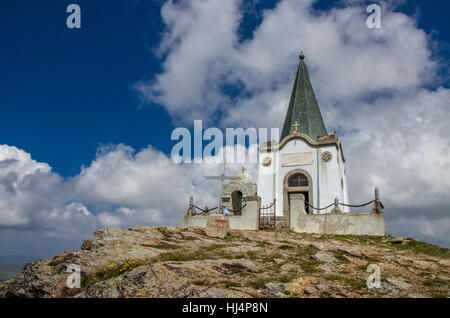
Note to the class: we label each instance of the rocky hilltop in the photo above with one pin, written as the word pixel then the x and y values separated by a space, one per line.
pixel 147 261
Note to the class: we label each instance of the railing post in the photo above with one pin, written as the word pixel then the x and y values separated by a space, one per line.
pixel 377 205
pixel 275 213
pixel 336 206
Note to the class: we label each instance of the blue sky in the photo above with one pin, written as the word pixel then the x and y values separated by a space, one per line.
pixel 86 115
pixel 63 92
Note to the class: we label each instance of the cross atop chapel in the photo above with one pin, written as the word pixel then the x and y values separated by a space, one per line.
pixel 296 125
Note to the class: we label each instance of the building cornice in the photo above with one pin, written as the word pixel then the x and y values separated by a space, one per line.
pixel 321 141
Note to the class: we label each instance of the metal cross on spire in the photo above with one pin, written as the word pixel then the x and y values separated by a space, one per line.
pixel 295 125
pixel 222 177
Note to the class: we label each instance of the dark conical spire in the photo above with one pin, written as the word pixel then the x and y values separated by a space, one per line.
pixel 303 112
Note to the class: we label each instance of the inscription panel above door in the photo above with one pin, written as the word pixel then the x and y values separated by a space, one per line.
pixel 296 159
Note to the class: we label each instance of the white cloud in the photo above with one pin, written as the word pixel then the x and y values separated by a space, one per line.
pixel 347 60
pixel 203 33
pixel 122 186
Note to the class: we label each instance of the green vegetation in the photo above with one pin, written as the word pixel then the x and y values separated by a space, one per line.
pixel 232 284
pixel 199 282
pixel 259 283
pixel 363 267
pixel 436 282
pixel 340 257
pixel 110 271
pixel 419 247
pixel 56 261
pixel 286 278
pixel 308 251
pixel 252 255
pixel 310 266
pixel 209 252
pixel 335 278
pixel 358 283
pixel 182 256
pixel 439 294
pixel 70 292
pixel 271 257
pixel 213 247
pixel 189 238
pixel 233 237
pixel 163 246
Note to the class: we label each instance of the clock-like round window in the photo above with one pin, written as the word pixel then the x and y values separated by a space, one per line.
pixel 266 161
pixel 326 156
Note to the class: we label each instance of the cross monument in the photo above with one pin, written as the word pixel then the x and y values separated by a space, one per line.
pixel 222 177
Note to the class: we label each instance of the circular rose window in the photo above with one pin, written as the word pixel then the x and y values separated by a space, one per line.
pixel 326 156
pixel 266 161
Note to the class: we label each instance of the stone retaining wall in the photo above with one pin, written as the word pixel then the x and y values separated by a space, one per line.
pixel 339 223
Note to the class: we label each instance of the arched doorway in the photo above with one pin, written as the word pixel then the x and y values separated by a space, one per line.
pixel 236 201
pixel 297 181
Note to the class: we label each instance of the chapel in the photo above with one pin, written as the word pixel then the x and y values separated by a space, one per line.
pixel 301 184
pixel 306 160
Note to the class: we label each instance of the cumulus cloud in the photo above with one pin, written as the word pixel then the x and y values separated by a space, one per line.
pixel 120 188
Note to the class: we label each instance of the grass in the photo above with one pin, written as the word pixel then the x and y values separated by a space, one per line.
pixel 429 282
pixel 56 261
pixel 419 247
pixel 340 257
pixel 110 271
pixel 163 246
pixel 262 244
pixel 259 283
pixel 363 267
pixel 167 239
pixel 286 278
pixel 308 251
pixel 70 292
pixel 356 283
pixel 182 256
pixel 252 255
pixel 185 256
pixel 325 294
pixel 335 278
pixel 232 237
pixel 189 238
pixel 438 294
pixel 310 266
pixel 232 284
pixel 199 283
pixel 214 247
pixel 271 257
pixel 362 239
